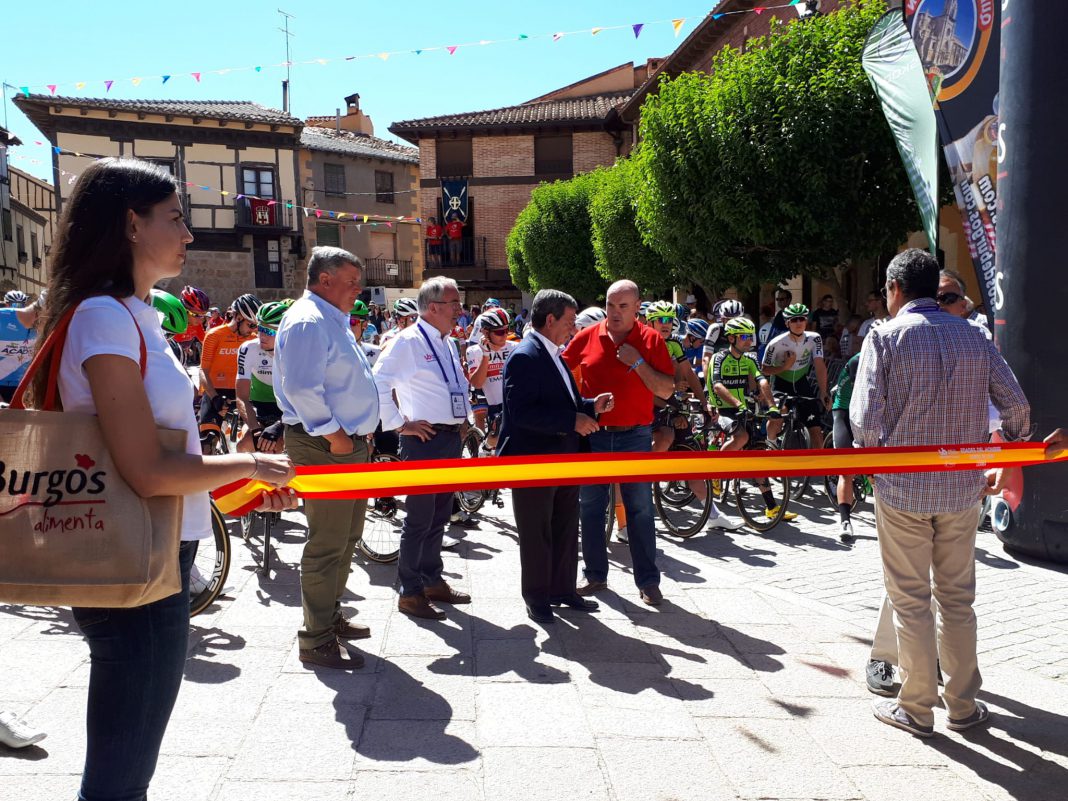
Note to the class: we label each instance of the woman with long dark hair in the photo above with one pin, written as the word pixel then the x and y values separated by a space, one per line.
pixel 122 231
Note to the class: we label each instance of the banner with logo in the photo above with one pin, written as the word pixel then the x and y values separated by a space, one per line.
pixel 897 76
pixel 454 199
pixel 958 42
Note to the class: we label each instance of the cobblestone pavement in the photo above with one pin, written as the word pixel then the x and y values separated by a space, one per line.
pixel 746 684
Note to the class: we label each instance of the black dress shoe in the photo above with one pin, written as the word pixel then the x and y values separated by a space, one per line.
pixel 539 615
pixel 575 601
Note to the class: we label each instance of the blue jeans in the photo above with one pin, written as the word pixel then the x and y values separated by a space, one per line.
pixel 137 660
pixel 419 563
pixel 637 500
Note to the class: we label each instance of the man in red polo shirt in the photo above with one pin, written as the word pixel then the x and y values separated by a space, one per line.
pixel 434 233
pixel 629 359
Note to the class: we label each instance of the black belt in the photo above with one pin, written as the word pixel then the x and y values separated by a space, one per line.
pixel 617 429
pixel 445 426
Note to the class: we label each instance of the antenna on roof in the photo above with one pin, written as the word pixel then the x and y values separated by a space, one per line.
pixel 289 63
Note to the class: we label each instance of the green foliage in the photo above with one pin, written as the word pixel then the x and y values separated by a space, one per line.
pixel 779 163
pixel 550 245
pixel 617 243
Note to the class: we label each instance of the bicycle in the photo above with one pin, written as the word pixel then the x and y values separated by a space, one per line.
pixel 474 447
pixel 679 507
pixel 211 565
pixel 382 527
pixel 862 486
pixel 795 437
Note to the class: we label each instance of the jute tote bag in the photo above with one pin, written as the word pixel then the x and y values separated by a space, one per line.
pixel 72 532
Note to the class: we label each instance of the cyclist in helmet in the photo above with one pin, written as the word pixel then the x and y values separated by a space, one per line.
pixel 255 382
pixel 218 362
pixel 485 370
pixel 174 320
pixel 18 336
pixel 693 343
pixel 491 303
pixel 405 312
pixel 197 306
pixel 360 324
pixel 734 375
pixel 15 299
pixel 588 317
pixel 791 359
pixel 715 341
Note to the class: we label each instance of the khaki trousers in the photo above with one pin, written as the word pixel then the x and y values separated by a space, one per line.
pixel 884 645
pixel 334 528
pixel 921 552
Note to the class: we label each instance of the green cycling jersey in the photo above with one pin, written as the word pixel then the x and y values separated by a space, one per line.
pixel 733 372
pixel 256 365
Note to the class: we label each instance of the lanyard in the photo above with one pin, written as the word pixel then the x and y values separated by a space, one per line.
pixel 434 351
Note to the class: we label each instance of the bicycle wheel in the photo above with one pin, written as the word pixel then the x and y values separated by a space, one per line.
pixel 211 565
pixel 471 500
pixel 680 510
pixel 796 439
pixel 248 523
pixel 382 526
pixel 749 497
pixel 830 482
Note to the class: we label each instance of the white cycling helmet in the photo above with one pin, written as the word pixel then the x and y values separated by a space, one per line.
pixel 402 307
pixel 730 308
pixel 247 306
pixel 16 298
pixel 590 316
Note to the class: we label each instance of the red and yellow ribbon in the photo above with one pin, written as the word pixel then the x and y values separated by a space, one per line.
pixel 448 475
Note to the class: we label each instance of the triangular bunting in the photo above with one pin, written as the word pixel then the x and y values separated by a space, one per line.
pixel 80 85
pixel 196 75
pixel 108 85
pixel 638 29
pixel 418 52
pixel 452 49
pixel 716 16
pixel 523 36
pixel 135 81
pixel 596 31
pixel 758 10
pixel 318 213
pixel 557 37
pixel 25 90
pixel 384 56
pixel 166 78
pixel 51 88
pixel 677 25
pixel 259 69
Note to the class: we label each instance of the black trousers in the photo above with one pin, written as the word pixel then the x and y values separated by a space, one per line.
pixel 548 522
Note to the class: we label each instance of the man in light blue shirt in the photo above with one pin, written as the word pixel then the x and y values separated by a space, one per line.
pixel 325 389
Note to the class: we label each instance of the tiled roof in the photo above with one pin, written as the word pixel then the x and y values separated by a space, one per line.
pixel 592 108
pixel 237 110
pixel 351 143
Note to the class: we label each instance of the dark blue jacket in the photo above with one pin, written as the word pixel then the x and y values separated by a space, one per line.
pixel 539 412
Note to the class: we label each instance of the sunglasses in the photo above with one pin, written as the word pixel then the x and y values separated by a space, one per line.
pixel 267 332
pixel 949 298
pixel 661 319
pixel 744 336
pixel 353 319
pixel 500 331
pixel 796 320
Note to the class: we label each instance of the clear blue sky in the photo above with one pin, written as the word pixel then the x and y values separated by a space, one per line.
pixel 64 42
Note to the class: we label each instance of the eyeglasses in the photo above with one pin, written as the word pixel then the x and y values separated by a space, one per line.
pixel 796 320
pixel 883 293
pixel 949 298
pixel 499 331
pixel 449 302
pixel 353 319
pixel 267 332
pixel 661 319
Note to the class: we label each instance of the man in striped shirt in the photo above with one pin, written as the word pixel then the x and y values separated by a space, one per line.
pixel 924 378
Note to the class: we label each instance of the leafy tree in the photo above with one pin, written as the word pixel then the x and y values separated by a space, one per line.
pixel 550 245
pixel 617 243
pixel 780 162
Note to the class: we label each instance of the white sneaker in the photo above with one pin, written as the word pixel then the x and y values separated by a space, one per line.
pixel 846 534
pixel 716 519
pixel 16 734
pixel 621 535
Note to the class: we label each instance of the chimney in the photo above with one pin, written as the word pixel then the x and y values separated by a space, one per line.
pixel 285 96
pixel 337 120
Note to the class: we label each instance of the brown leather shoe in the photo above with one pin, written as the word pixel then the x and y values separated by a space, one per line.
pixel 651 595
pixel 347 630
pixel 419 606
pixel 590 587
pixel 330 655
pixel 444 594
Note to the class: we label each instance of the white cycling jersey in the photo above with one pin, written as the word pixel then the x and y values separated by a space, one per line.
pixel 807 348
pixel 494 386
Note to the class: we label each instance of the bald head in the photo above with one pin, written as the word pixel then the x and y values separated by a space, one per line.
pixel 621 306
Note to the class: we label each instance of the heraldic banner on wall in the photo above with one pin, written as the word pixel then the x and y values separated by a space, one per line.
pixel 454 199
pixel 959 44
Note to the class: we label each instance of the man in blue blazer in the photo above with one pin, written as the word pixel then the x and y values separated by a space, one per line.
pixel 544 414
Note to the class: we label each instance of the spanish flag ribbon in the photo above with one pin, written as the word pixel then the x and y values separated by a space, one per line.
pixel 448 475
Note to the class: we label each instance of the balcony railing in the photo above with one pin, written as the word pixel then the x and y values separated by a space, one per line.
pixel 469 251
pixel 387 272
pixel 262 215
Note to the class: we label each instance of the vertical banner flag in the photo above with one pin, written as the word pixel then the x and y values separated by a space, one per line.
pixel 897 76
pixel 959 44
pixel 454 199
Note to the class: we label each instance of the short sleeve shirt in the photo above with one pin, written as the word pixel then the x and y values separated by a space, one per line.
pixel 592 356
pixel 433 233
pixel 101 326
pixel 493 389
pixel 219 359
pixel 732 372
pixel 455 229
pixel 256 365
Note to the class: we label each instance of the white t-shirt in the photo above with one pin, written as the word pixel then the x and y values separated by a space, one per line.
pixel 494 386
pixel 101 326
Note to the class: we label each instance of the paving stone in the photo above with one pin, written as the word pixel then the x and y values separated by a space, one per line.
pixel 456 785
pixel 530 715
pixel 521 660
pixel 417 745
pixel 651 770
pixel 544 774
pixel 284 791
pixel 410 688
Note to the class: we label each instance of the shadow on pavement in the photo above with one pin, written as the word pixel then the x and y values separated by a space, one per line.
pixel 200 666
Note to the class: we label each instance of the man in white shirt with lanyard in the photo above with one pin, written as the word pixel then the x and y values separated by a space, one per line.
pixel 422 392
pixel 325 390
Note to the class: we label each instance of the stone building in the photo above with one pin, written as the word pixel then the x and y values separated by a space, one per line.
pixel 236 165
pixel 32 223
pixel 346 170
pixel 498 156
